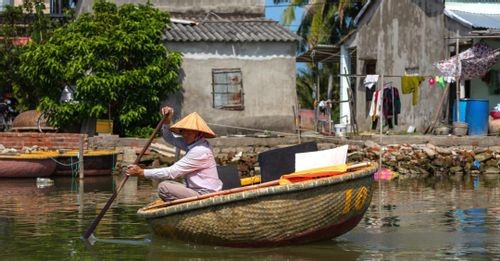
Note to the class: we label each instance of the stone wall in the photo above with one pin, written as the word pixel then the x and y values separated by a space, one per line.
pixel 421 159
pixel 424 160
pixel 18 140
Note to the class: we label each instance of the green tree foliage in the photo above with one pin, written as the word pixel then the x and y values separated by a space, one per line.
pixel 117 61
pixel 27 21
pixel 9 54
pixel 324 21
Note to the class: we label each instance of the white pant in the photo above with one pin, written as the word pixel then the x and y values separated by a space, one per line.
pixel 169 190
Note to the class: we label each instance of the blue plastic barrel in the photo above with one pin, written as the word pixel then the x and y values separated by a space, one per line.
pixel 476 115
pixel 463 110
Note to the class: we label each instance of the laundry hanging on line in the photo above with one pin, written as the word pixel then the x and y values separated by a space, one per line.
pixel 391 107
pixel 385 103
pixel 370 80
pixel 472 63
pixel 376 105
pixel 410 84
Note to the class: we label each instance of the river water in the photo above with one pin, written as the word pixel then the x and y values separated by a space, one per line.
pixel 407 220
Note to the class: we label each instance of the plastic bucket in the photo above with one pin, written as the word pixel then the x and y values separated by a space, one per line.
pixel 460 128
pixel 443 130
pixel 476 116
pixel 463 110
pixel 340 129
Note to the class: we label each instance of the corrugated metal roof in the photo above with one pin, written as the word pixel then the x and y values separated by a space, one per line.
pixel 482 14
pixel 229 30
pixel 475 20
pixel 476 6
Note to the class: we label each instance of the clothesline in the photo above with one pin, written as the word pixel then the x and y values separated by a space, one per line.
pixel 390 76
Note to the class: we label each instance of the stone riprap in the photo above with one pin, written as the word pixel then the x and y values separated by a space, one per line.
pixel 408 160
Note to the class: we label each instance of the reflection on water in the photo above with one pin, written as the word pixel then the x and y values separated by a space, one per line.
pixel 411 219
pixel 431 220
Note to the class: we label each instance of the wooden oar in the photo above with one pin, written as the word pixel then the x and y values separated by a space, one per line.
pixel 96 221
pixel 235 190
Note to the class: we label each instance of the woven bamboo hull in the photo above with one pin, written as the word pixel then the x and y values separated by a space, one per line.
pixel 26 168
pixel 272 216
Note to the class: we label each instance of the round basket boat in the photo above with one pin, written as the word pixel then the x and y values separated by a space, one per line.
pixel 95 162
pixel 31 120
pixel 27 165
pixel 270 216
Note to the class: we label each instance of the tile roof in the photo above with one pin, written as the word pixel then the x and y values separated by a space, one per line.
pixel 231 29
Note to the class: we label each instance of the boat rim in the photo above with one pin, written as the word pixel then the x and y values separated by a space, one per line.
pixel 51 154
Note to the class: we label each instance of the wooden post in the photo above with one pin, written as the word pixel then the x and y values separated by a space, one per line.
pixel 381 119
pixel 316 99
pixel 80 198
pixel 80 157
pixel 299 122
pixel 457 52
pixel 329 103
pixel 447 99
pixel 296 120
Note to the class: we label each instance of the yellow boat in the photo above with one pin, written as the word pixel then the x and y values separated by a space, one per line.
pixel 60 163
pixel 95 162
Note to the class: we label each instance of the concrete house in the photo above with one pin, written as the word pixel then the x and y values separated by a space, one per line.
pixel 238 69
pixel 407 37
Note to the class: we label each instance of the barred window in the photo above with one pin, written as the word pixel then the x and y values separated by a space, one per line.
pixel 227 89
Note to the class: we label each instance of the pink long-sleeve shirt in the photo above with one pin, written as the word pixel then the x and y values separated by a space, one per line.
pixel 198 166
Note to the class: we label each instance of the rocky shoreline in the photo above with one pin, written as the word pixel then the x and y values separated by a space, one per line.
pixel 426 160
pixel 408 160
pixel 411 156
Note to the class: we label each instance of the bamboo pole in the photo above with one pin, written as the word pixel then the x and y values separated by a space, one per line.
pixel 80 157
pixel 459 69
pixel 381 118
pixel 299 121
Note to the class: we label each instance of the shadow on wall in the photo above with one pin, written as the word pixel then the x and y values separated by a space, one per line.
pixel 176 99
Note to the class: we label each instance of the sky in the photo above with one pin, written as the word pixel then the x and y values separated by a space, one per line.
pixel 275 12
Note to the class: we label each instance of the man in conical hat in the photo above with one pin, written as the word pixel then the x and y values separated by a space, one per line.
pixel 197 167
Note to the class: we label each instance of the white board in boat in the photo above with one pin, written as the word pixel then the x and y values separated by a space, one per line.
pixel 321 158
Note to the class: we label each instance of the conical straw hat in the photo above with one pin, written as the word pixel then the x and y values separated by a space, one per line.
pixel 193 121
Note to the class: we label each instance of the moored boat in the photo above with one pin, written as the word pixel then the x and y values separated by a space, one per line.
pixel 59 163
pixel 268 214
pixel 95 162
pixel 27 165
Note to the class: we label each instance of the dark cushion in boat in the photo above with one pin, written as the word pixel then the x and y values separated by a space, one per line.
pixel 229 176
pixel 276 162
